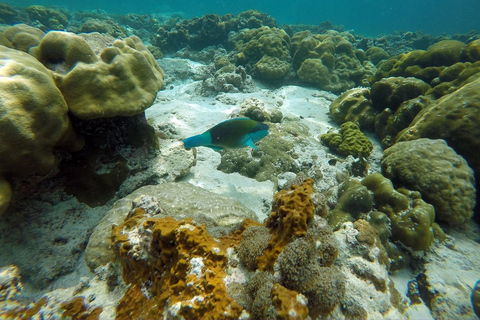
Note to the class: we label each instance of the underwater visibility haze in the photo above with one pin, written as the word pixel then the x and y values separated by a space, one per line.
pixel 239 159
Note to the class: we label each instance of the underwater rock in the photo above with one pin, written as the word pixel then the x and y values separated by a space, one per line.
pixel 369 292
pixel 435 170
pixel 349 141
pixel 89 88
pixel 449 275
pixel 355 106
pixel 177 199
pixel 7 14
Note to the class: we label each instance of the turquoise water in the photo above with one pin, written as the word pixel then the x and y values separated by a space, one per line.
pixel 367 17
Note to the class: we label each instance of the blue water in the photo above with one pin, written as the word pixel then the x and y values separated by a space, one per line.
pixel 367 17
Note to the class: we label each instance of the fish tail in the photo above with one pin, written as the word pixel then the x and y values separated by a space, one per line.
pixel 197 141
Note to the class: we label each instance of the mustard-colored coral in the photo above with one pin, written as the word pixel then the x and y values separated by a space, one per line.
pixel 292 210
pixel 122 81
pixel 175 270
pixel 289 304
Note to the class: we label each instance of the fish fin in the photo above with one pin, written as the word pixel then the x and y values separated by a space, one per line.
pixel 250 143
pixel 203 139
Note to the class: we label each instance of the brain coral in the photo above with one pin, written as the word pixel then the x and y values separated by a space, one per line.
pixel 29 100
pixel 350 141
pixel 435 170
pixel 122 81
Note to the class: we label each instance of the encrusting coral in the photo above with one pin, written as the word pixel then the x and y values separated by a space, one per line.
pixel 175 269
pixel 291 212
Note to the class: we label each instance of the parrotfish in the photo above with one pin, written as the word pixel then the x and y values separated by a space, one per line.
pixel 232 133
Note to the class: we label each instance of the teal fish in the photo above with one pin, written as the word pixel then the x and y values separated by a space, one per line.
pixel 233 133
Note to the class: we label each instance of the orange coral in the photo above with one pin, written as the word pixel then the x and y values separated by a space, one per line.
pixel 292 210
pixel 289 305
pixel 77 309
pixel 175 268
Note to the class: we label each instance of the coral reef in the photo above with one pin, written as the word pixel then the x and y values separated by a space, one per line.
pixel 435 170
pixel 22 37
pixel 353 201
pixel 354 105
pixel 389 124
pixel 391 92
pixel 227 78
pixel 453 118
pixel 108 26
pixel 180 200
pixel 349 141
pixel 88 87
pixel 47 18
pixel 329 61
pixel 275 153
pixel 411 217
pixel 265 51
pixel 27 144
pixel 292 210
pixel 175 268
pixel 210 29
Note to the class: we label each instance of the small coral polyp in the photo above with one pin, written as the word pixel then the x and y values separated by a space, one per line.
pixel 179 274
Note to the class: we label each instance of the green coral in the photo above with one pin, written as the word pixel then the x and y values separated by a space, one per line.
pixel 275 154
pixel 354 105
pixel 391 92
pixel 328 60
pixel 349 141
pixel 388 124
pixel 353 200
pixel 376 54
pixel 266 50
pixel 435 170
pixel 411 217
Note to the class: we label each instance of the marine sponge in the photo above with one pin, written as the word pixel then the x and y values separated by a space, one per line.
pixel 349 141
pixel 174 268
pixel 122 81
pixel 291 212
pixel 435 170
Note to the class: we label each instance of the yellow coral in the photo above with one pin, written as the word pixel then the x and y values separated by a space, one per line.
pixel 180 275
pixel 292 211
